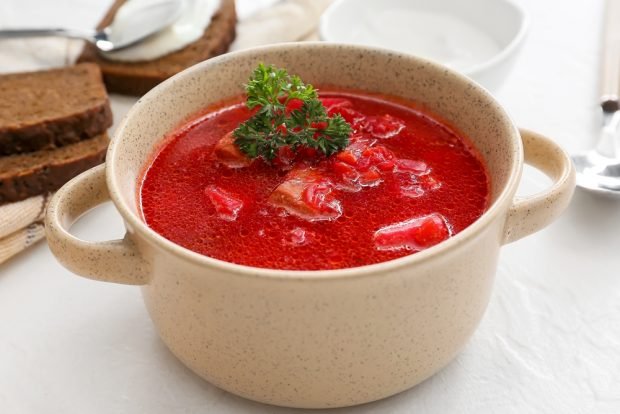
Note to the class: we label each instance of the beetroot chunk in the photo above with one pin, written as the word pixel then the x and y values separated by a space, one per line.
pixel 226 204
pixel 415 234
pixel 383 127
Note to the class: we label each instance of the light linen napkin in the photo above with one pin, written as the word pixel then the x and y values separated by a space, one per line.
pixel 21 225
pixel 286 21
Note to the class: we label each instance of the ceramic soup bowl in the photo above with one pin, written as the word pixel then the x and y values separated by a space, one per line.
pixel 313 338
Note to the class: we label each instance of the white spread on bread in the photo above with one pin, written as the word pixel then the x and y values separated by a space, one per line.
pixel 195 17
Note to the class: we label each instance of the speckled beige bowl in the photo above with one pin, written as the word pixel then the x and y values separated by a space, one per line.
pixel 313 338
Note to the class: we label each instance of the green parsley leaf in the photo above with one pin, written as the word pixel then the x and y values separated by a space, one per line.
pixel 271 89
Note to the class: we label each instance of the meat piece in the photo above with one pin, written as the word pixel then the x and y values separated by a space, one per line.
pixel 229 154
pixel 307 194
pixel 415 234
pixel 226 204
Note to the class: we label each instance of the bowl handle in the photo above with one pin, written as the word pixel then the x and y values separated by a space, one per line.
pixel 117 261
pixel 529 214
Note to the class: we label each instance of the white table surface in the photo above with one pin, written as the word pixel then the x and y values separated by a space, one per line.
pixel 549 342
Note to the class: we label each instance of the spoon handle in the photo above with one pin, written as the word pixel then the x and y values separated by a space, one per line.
pixel 55 32
pixel 610 80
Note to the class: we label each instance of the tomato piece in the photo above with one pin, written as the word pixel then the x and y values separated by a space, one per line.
pixel 293 105
pixel 378 154
pixel 386 166
pixel 308 153
pixel 285 156
pixel 282 129
pixel 343 168
pixel 370 178
pixel 372 156
pixel 319 125
pixel 347 157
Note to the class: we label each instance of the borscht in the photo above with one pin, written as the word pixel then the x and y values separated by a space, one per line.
pixel 287 178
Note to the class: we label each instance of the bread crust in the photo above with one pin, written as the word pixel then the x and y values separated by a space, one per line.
pixel 27 175
pixel 53 108
pixel 137 78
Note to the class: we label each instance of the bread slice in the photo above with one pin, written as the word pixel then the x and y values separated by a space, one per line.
pixel 27 175
pixel 137 78
pixel 49 109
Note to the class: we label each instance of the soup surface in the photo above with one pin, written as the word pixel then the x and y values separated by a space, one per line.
pixel 405 182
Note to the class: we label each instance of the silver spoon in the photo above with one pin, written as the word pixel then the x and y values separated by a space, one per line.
pixel 598 170
pixel 139 23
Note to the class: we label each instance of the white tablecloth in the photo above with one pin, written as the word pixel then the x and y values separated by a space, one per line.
pixel 549 343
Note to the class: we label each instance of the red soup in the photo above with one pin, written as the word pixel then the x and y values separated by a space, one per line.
pixel 405 182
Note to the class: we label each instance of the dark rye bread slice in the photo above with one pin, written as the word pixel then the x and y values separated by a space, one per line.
pixel 137 78
pixel 27 175
pixel 52 108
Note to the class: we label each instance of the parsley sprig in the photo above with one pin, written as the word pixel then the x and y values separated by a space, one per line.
pixel 270 90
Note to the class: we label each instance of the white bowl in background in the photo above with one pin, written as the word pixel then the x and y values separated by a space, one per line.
pixel 479 38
